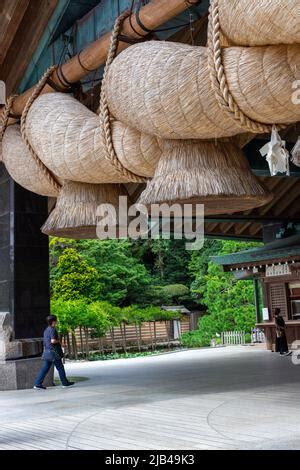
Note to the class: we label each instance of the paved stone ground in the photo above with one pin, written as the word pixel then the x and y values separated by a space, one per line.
pixel 226 398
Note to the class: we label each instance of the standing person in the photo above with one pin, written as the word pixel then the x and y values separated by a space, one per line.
pixel 281 341
pixel 52 354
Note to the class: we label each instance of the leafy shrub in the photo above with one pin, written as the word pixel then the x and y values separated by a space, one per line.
pixel 109 356
pixel 248 338
pixel 194 339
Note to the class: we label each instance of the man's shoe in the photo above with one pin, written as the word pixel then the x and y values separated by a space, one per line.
pixel 39 387
pixel 69 384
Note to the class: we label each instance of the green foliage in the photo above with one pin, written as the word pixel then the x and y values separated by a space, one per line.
pixel 193 339
pixel 248 338
pixel 97 318
pixel 100 284
pixel 170 294
pixel 230 303
pixel 109 356
pixel 127 272
pixel 70 313
pixel 73 314
pixel 176 293
pixel 122 277
pixel 166 260
pixel 73 278
pixel 100 316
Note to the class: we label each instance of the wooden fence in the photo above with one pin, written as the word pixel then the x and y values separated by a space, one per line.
pixel 125 337
pixel 233 337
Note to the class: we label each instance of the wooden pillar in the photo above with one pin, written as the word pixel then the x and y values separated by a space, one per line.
pixel 256 300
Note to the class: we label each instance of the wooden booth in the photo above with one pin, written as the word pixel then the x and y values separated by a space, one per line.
pixel 275 270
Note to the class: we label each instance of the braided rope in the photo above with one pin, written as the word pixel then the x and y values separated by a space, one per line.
pixel 104 113
pixel 5 115
pixel 219 79
pixel 36 92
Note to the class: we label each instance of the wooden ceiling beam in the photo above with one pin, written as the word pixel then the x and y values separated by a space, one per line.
pixel 152 15
pixel 226 227
pixel 239 229
pixel 294 208
pixel 213 226
pixel 255 229
pixel 11 15
pixel 25 42
pixel 282 186
pixel 292 193
pixel 271 184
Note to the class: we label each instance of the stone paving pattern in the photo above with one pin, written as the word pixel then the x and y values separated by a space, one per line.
pixel 226 398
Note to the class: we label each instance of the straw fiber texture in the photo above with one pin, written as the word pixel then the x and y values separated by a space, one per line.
pixel 165 89
pixel 75 213
pixel 67 138
pixel 4 117
pixel 21 166
pixel 216 174
pixel 260 22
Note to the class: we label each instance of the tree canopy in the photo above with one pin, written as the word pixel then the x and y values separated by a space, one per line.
pixel 123 277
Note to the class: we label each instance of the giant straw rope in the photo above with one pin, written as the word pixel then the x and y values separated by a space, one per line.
pixel 105 117
pixel 219 80
pixel 36 92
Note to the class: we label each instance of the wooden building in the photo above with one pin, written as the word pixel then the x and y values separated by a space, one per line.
pixel 275 270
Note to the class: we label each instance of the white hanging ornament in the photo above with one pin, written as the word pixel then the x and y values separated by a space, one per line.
pixel 296 153
pixel 276 154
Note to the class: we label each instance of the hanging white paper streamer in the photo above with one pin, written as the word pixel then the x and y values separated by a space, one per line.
pixel 296 153
pixel 276 154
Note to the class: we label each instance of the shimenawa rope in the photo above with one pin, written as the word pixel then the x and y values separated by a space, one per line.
pixel 36 92
pixel 104 114
pixel 5 115
pixel 219 79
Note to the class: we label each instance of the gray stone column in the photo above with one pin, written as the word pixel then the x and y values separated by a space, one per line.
pixel 24 283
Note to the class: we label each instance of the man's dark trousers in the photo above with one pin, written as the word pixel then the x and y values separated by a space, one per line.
pixel 45 369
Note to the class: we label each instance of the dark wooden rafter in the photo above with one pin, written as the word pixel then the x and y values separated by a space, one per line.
pixel 287 200
pixel 24 34
pixel 283 208
pixel 283 189
pixel 255 229
pixel 11 15
pixel 242 228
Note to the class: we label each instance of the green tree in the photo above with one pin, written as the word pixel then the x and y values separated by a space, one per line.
pixel 122 277
pixel 74 278
pixel 229 303
pixel 71 314
pixel 176 293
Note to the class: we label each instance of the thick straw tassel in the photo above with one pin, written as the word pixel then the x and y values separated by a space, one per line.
pixel 215 174
pixel 75 214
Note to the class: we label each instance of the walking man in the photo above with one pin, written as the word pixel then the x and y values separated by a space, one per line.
pixel 52 354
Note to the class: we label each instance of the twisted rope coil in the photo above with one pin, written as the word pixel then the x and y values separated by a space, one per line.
pixel 36 92
pixel 5 115
pixel 219 79
pixel 104 113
